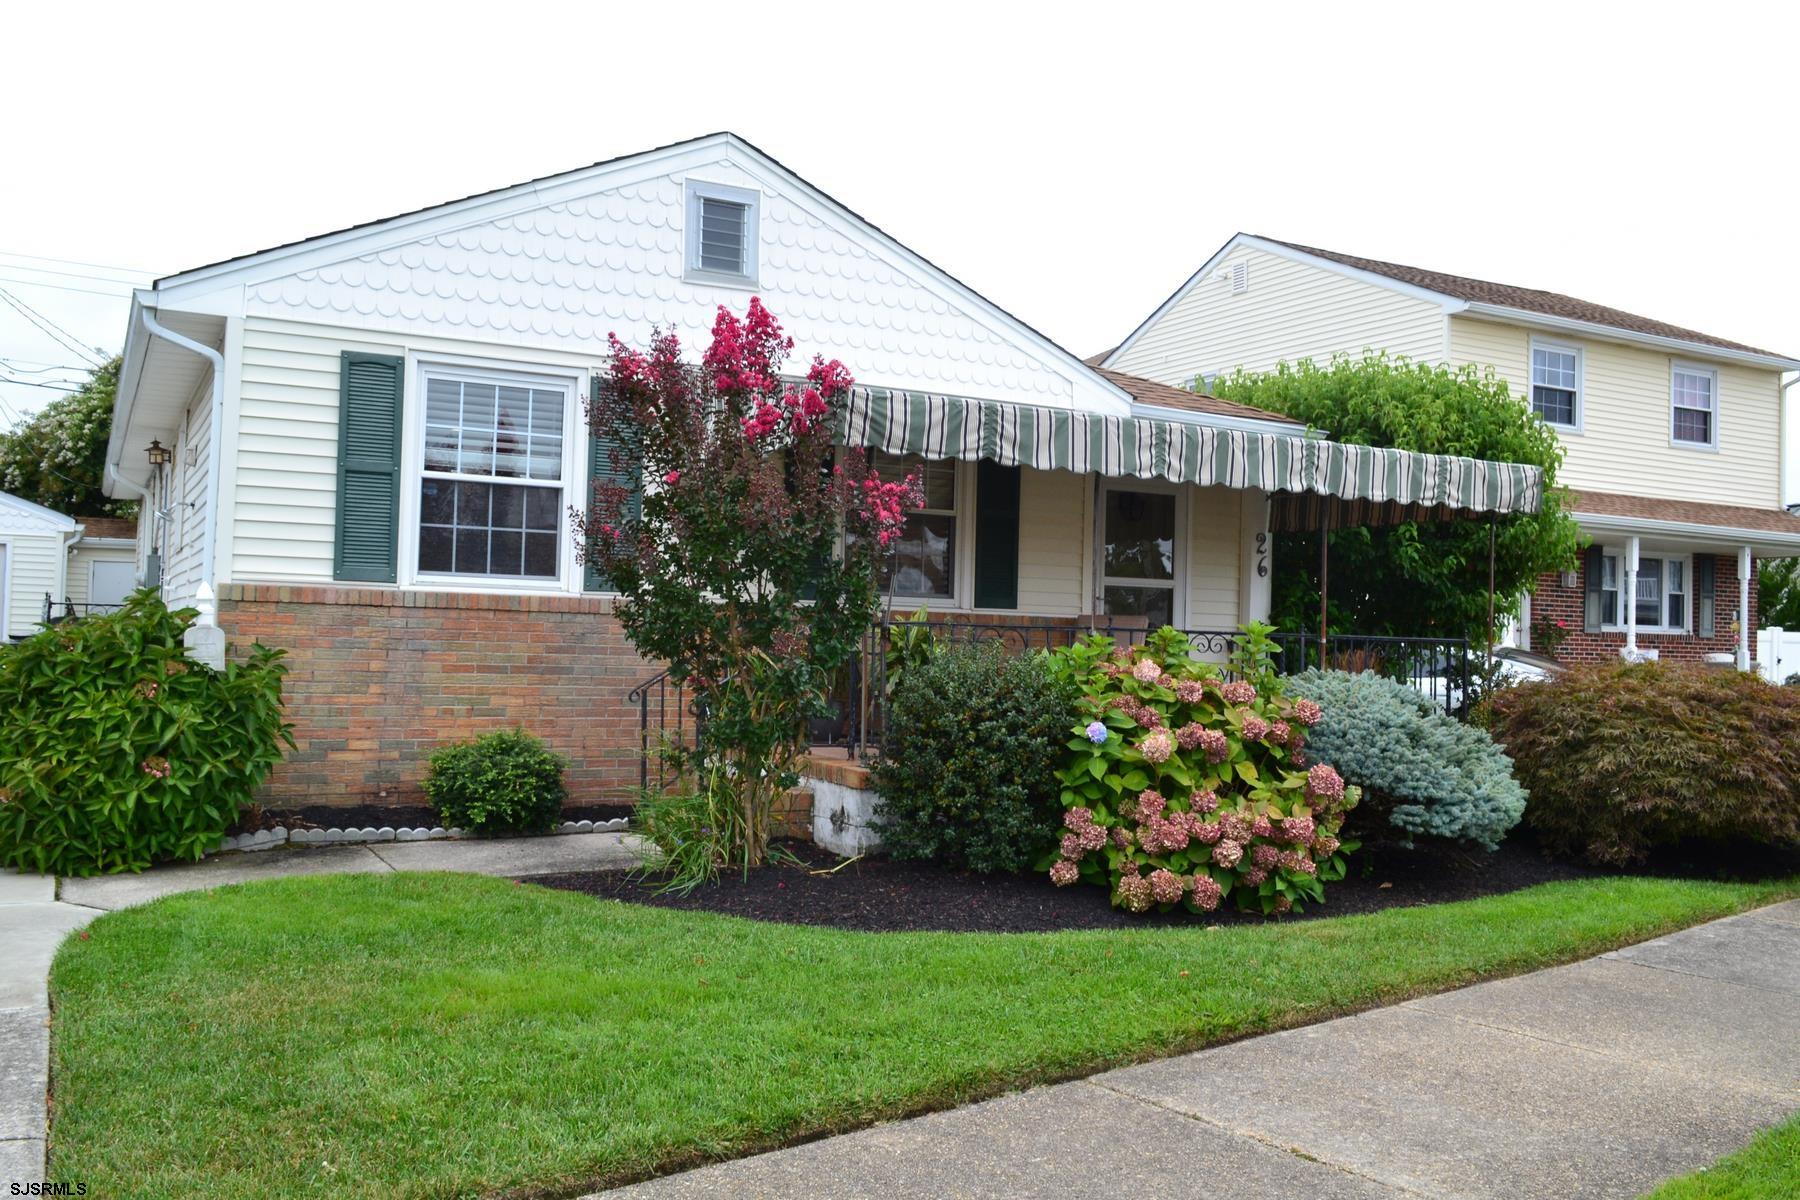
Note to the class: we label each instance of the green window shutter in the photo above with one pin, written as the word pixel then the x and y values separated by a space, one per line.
pixel 1706 582
pixel 602 469
pixel 996 535
pixel 1591 577
pixel 368 501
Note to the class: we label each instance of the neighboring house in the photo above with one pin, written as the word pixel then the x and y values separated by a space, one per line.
pixel 49 559
pixel 1673 437
pixel 375 438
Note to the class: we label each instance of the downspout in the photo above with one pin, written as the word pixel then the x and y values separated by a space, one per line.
pixel 1781 438
pixel 209 645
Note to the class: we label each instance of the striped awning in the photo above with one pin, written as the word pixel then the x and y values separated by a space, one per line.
pixel 1385 486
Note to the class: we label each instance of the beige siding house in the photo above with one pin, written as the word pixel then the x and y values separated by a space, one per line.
pixel 1673 437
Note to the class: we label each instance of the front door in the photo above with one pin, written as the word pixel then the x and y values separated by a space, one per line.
pixel 1140 558
pixel 110 582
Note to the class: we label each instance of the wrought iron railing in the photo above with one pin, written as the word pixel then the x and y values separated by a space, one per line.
pixel 670 718
pixel 58 611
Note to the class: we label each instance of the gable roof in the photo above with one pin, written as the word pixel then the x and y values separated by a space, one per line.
pixel 1506 295
pixel 1161 395
pixel 1460 293
pixel 19 514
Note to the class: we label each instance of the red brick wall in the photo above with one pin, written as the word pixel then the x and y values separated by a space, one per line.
pixel 1551 600
pixel 378 678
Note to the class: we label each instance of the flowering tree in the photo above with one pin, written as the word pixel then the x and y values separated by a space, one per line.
pixel 747 559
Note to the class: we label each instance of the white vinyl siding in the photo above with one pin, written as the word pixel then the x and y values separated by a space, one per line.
pixel 1625 445
pixel 81 565
pixel 1214 558
pixel 32 572
pixel 1053 539
pixel 1287 311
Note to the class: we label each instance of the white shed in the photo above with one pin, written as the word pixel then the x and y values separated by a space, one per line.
pixel 33 562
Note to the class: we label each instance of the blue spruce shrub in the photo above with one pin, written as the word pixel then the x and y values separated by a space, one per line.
pixel 1429 772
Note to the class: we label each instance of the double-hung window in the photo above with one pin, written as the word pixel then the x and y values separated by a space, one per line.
pixel 1556 384
pixel 491 485
pixel 1694 406
pixel 1661 604
pixel 921 562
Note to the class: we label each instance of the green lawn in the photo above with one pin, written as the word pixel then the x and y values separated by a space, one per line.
pixel 1768 1167
pixel 448 1035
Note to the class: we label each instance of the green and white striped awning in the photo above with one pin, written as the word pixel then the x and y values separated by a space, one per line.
pixel 1372 485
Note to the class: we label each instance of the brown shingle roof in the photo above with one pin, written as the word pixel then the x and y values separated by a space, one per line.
pixel 108 527
pixel 1146 391
pixel 1687 512
pixel 1555 304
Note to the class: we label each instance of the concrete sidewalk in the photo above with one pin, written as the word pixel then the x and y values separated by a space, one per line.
pixel 34 922
pixel 1592 1080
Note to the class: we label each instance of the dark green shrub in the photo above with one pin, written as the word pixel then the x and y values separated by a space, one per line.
pixel 1428 772
pixel 118 751
pixel 503 782
pixel 969 776
pixel 1622 758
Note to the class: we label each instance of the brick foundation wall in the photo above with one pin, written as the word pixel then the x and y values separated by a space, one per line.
pixel 1550 600
pixel 378 678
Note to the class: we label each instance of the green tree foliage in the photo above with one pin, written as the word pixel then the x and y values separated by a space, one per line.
pixel 1413 579
pixel 1778 593
pixel 56 457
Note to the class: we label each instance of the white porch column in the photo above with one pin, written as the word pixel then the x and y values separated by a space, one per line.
pixel 1255 557
pixel 1743 617
pixel 1628 596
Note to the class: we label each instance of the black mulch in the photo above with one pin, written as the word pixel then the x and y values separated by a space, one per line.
pixel 876 893
pixel 377 816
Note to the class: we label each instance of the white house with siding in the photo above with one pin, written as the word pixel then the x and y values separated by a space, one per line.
pixel 33 562
pixel 379 432
pixel 1672 437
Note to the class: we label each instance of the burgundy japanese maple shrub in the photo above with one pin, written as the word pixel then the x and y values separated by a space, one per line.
pixel 726 558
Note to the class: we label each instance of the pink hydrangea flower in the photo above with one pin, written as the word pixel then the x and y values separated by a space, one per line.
pixel 1158 746
pixel 1254 876
pixel 1307 712
pixel 1297 829
pixel 1150 803
pixel 1159 835
pixel 1092 837
pixel 1165 680
pixel 1190 691
pixel 1238 691
pixel 1236 827
pixel 1324 845
pixel 1265 855
pixel 1206 802
pixel 1072 848
pixel 1165 886
pixel 1255 729
pixel 1206 892
pixel 1214 744
pixel 1063 873
pixel 1134 893
pixel 1262 828
pixel 1324 783
pixel 1228 854
pixel 1122 838
pixel 1207 833
pixel 156 767
pixel 1146 670
pixel 1078 818
pixel 1283 904
pixel 1280 732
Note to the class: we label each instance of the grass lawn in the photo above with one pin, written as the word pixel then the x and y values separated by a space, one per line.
pixel 448 1035
pixel 1767 1167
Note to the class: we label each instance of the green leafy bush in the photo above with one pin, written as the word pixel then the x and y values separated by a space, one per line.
pixel 502 782
pixel 1183 788
pixel 1621 758
pixel 117 751
pixel 969 777
pixel 1428 772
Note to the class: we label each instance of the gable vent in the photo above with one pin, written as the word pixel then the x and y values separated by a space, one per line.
pixel 1240 278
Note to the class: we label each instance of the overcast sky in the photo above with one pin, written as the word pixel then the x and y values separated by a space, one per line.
pixel 1072 164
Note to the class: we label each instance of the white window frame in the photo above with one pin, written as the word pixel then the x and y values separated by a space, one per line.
pixel 1536 344
pixel 698 190
pixel 1178 600
pixel 571 380
pixel 962 559
pixel 1677 367
pixel 1618 555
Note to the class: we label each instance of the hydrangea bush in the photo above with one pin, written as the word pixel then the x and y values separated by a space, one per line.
pixel 1429 773
pixel 1184 789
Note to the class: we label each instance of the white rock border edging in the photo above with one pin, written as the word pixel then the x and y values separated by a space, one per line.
pixel 268 839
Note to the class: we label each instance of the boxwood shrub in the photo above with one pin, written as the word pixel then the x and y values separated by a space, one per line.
pixel 118 751
pixel 969 776
pixel 1429 773
pixel 500 783
pixel 1622 758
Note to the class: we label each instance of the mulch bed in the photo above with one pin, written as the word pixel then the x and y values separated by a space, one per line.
pixel 878 894
pixel 378 816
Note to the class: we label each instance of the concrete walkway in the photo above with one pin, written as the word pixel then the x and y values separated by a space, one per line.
pixel 1592 1080
pixel 34 922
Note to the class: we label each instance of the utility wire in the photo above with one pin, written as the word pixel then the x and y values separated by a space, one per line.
pixel 61 287
pixel 50 327
pixel 71 274
pixel 75 262
pixel 54 387
pixel 12 364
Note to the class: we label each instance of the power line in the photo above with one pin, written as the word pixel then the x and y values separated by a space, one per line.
pixel 50 327
pixel 75 262
pixel 71 274
pixel 53 387
pixel 61 287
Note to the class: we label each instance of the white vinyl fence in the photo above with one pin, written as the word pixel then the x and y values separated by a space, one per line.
pixel 1778 653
